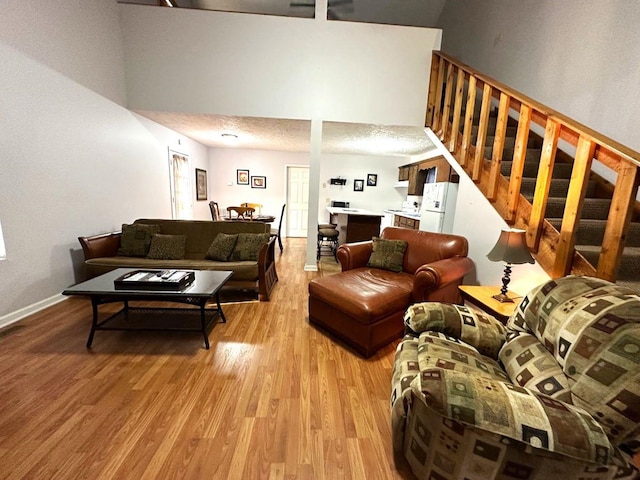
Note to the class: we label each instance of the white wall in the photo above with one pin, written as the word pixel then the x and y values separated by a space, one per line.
pixel 223 188
pixel 256 65
pixel 74 162
pixel 477 221
pixel 579 58
pixel 352 167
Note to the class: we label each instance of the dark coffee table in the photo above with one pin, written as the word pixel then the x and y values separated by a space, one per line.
pixel 205 288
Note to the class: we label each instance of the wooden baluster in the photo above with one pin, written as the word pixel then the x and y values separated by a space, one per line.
pixel 622 204
pixel 448 93
pixel 483 124
pixel 437 113
pixel 433 83
pixel 468 121
pixel 498 145
pixel 517 167
pixel 457 110
pixel 573 207
pixel 543 182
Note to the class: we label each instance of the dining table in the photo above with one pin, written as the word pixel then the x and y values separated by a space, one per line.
pixel 256 218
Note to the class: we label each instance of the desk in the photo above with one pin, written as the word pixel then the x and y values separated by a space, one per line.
pixel 481 297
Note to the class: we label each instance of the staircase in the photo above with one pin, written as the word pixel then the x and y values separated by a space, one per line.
pixel 595 208
pixel 576 221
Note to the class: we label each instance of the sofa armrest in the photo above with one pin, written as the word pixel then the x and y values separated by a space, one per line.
pixel 267 275
pixel 103 245
pixel 354 255
pixel 525 416
pixel 439 274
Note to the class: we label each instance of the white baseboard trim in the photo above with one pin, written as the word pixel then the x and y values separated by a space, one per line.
pixel 311 268
pixel 18 315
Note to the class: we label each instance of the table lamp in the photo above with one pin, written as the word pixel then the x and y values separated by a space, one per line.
pixel 511 248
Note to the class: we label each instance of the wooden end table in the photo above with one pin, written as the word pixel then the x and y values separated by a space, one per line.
pixel 481 297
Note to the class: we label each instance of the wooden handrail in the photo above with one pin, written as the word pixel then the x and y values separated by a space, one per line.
pixel 444 110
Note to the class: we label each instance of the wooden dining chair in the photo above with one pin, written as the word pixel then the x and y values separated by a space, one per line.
pixel 215 211
pixel 245 213
pixel 256 206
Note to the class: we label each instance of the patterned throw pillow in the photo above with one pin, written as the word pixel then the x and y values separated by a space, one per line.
pixel 222 247
pixel 136 239
pixel 167 247
pixel 387 254
pixel 248 246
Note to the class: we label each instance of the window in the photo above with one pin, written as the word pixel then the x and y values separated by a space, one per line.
pixel 181 197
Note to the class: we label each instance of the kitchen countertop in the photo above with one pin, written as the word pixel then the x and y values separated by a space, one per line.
pixel 353 211
pixel 414 215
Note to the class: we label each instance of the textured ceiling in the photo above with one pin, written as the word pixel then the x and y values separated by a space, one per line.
pixel 294 135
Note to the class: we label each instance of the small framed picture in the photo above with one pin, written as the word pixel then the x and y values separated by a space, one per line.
pixel 258 182
pixel 242 177
pixel 358 185
pixel 201 184
pixel 372 179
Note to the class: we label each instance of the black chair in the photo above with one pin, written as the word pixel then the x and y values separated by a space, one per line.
pixel 215 211
pixel 327 238
pixel 277 232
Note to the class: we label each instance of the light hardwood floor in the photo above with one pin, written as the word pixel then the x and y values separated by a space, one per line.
pixel 272 399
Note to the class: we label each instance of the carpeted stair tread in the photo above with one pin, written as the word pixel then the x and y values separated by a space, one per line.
pixel 509 142
pixel 593 208
pixel 560 170
pixel 591 231
pixel 629 264
pixel 558 188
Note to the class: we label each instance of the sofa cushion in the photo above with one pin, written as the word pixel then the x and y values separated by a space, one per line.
pixel 167 247
pixel 222 247
pixel 478 329
pixel 248 246
pixel 136 239
pixel 530 365
pixel 364 294
pixel 387 254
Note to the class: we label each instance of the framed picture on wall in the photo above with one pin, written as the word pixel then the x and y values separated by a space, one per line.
pixel 358 185
pixel 372 179
pixel 242 177
pixel 258 182
pixel 201 184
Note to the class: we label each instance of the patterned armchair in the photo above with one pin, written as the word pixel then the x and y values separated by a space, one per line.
pixel 553 395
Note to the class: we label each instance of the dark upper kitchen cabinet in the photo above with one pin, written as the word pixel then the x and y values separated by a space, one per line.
pixel 416 174
pixel 403 173
pixel 417 178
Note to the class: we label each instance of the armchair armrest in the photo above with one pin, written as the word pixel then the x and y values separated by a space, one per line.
pixel 354 255
pixel 436 275
pixel 98 246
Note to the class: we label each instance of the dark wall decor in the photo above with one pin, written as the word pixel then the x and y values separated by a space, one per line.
pixel 358 185
pixel 258 182
pixel 242 177
pixel 372 179
pixel 201 184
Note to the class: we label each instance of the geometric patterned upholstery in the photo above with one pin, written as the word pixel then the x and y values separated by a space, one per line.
pixel 560 400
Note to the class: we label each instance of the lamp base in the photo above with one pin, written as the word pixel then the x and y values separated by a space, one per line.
pixel 502 298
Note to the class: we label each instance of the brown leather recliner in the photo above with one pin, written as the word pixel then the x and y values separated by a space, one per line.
pixel 364 306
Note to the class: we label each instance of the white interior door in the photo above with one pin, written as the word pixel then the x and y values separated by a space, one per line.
pixel 297 201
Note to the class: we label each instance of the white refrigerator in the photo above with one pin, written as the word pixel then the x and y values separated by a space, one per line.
pixel 438 207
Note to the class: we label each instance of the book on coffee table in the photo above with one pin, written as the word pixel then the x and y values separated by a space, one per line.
pixel 155 280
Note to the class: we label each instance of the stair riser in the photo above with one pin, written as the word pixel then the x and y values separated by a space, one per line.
pixel 594 234
pixel 593 209
pixel 560 170
pixel 629 265
pixel 558 188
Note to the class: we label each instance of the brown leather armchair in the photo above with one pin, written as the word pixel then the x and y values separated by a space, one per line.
pixel 364 306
